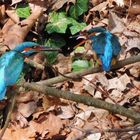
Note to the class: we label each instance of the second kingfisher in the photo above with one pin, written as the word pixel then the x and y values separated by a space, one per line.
pixel 106 46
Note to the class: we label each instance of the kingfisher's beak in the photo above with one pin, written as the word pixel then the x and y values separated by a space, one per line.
pixel 78 37
pixel 44 48
pixel 75 36
pixel 41 48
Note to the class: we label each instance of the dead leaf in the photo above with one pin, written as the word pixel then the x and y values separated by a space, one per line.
pixel 116 95
pixel 50 102
pixel 95 136
pixel 67 112
pixel 20 118
pixel 115 83
pixel 77 88
pixel 133 43
pixel 90 89
pixel 58 4
pixel 15 1
pixel 51 126
pixel 13 15
pixel 99 7
pixel 26 109
pixel 2 13
pixel 116 24
pixel 82 117
pixel 123 39
pixel 43 4
pixel 125 80
pixel 120 2
pixel 134 10
pixel 64 65
pixel 134 26
pixel 135 70
pixel 75 134
pixel 98 95
pixel 14 34
pixel 28 96
pixel 15 133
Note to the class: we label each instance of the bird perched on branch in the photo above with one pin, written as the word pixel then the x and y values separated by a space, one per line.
pixel 105 45
pixel 11 63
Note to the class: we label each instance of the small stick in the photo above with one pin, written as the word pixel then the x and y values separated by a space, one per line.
pixel 13 100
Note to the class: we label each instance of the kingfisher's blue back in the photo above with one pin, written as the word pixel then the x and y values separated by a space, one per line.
pixel 11 65
pixel 106 45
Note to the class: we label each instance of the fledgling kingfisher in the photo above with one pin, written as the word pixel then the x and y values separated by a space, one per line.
pixel 11 63
pixel 106 46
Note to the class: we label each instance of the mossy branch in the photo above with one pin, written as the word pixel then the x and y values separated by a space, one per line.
pixel 114 108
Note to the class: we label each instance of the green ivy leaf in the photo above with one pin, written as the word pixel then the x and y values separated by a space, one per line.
pixel 79 8
pixel 79 49
pixel 59 22
pixel 79 65
pixel 77 27
pixel 55 42
pixel 23 11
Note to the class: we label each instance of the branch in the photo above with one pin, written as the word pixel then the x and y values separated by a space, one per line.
pixel 78 75
pixel 114 108
pixel 123 133
pixel 11 107
pixel 34 64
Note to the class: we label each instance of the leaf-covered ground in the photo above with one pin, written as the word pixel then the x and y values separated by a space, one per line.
pixel 37 116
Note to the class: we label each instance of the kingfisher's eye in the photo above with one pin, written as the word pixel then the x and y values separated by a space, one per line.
pixel 35 47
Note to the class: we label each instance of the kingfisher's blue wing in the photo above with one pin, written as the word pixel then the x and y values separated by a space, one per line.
pixel 98 44
pixel 115 45
pixel 11 64
pixel 12 74
pixel 12 67
pixel 2 84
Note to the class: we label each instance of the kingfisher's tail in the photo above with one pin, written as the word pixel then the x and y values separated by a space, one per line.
pixel 2 91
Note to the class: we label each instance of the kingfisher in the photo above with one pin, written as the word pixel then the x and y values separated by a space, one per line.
pixel 12 62
pixel 105 45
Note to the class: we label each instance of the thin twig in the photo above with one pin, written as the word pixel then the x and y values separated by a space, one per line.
pixel 100 90
pixel 13 100
pixel 34 64
pixel 75 75
pixel 122 131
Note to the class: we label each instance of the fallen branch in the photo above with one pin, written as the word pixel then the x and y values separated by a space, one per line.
pixel 77 75
pixel 114 108
pixel 122 133
pixel 34 64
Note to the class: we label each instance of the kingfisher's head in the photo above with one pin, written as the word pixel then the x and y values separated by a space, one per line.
pixel 89 34
pixel 28 48
pixel 97 30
